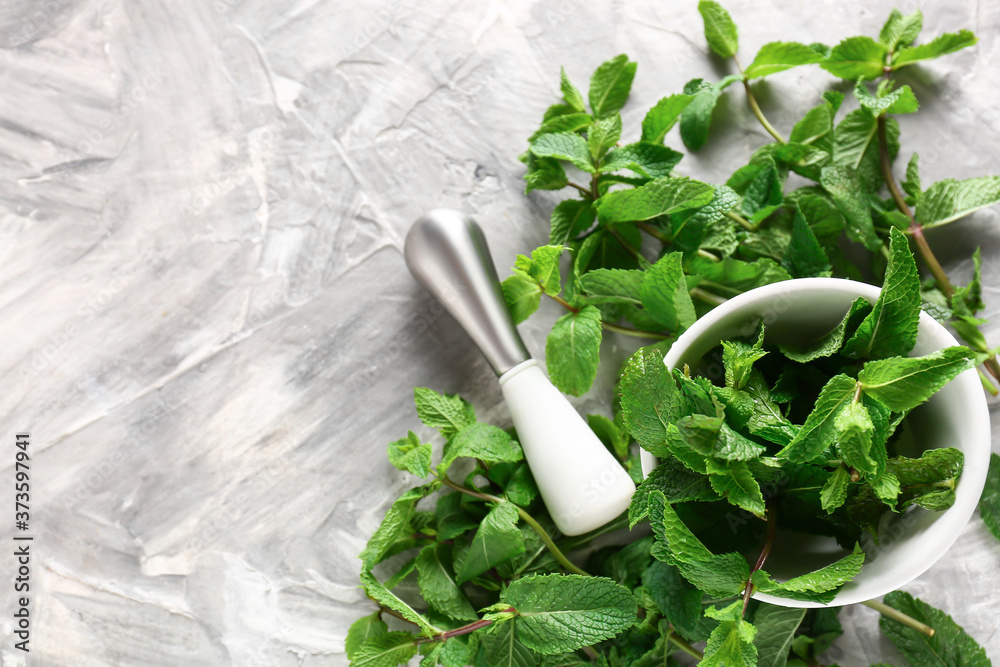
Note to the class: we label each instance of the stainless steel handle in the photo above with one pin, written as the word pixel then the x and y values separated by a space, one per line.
pixel 447 253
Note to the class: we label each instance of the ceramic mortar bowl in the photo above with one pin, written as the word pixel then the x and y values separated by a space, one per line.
pixel 800 311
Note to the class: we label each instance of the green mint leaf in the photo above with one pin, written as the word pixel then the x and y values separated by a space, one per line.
pixel 776 628
pixel 949 200
pixel 481 441
pixel 711 436
pixel 731 644
pixel 610 86
pixel 843 184
pixel 697 117
pixel 447 413
pixel 663 196
pixel 760 187
pixel 387 650
pixel 572 350
pixel 720 31
pixel 900 29
pixel 891 328
pixel 968 299
pixel 818 586
pixel 818 431
pixel 830 343
pixel 612 286
pixel 736 273
pixel 834 491
pixel 856 57
pixel 675 482
pixel 559 613
pixel 665 294
pixel 734 482
pixel 613 434
pixel 515 477
pixel 542 267
pixel 650 399
pixel 453 518
pixel 816 124
pixel 853 438
pixel 689 229
pixel 646 159
pixel 435 574
pixel 677 600
pixel 900 100
pixel 395 526
pixel 663 116
pixel 738 359
pixel 410 455
pixel 824 218
pixel 603 134
pixel 570 218
pixel 780 56
pixel 905 382
pixel 939 46
pixel 989 504
pixel 950 645
pixel 404 571
pixel 382 595
pixel 557 110
pixel 572 122
pixel 496 540
pixel 911 184
pixel 522 294
pixel 568 146
pixel 718 575
pixel 504 648
pixel 363 629
pixel 543 174
pixel 570 93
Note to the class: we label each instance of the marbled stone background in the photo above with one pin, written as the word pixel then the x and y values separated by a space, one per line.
pixel 205 321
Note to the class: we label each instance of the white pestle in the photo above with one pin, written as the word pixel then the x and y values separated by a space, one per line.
pixel 582 483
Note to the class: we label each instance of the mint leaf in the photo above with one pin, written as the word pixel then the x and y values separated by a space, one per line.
pixel 776 628
pixel 386 650
pixel 543 174
pixel 610 86
pixel 650 398
pixel 395 525
pixel 843 184
pixel 720 31
pixel 453 518
pixel 734 481
pixel 827 345
pixel 570 218
pixel 939 46
pixel 950 645
pixel 496 540
pixel 761 189
pixel 438 586
pixel 564 612
pixel 853 438
pixel 383 596
pixel 663 196
pixel 570 93
pixel 989 504
pixel 891 328
pixel 663 116
pixel 447 413
pixel 504 648
pixel 481 441
pixel 900 29
pixel 818 431
pixel 904 383
pixel 572 122
pixel 718 575
pixel 613 434
pixel 818 586
pixel 900 100
pixel 603 134
pixel 816 124
pixel 363 629
pixel 647 160
pixel 612 286
pixel 542 267
pixel 738 359
pixel 665 294
pixel 568 146
pixel 736 273
pixel 410 455
pixel 731 644
pixel 677 600
pixel 949 200
pixel 856 57
pixel 572 350
pixel 675 482
pixel 522 295
pixel 834 491
pixel 697 117
pixel 780 56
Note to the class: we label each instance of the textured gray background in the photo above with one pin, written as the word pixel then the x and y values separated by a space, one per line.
pixel 207 326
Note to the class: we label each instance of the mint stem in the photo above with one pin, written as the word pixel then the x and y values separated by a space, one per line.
pixel 708 297
pixel 683 645
pixel 743 222
pixel 581 189
pixel 897 615
pixel 655 233
pixel 528 519
pixel 772 529
pixel 756 109
pixel 464 630
pixel 611 327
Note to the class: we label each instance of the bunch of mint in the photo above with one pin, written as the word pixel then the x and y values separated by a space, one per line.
pixel 468 567
pixel 829 473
